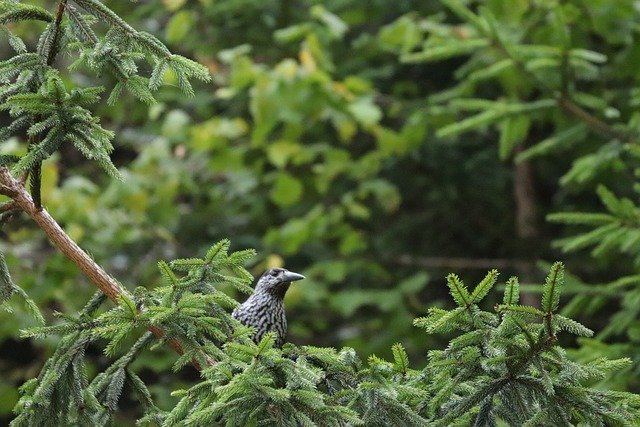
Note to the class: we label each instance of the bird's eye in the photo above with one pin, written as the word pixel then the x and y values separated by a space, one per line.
pixel 273 273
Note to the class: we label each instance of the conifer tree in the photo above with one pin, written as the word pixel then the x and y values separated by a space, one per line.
pixel 536 77
pixel 505 367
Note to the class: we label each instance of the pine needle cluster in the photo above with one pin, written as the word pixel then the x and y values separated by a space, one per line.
pixel 48 113
pixel 504 368
pixel 507 366
pixel 188 308
pixel 535 67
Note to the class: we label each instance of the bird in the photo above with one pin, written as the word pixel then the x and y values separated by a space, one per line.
pixel 264 309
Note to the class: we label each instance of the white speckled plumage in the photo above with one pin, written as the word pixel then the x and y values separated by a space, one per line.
pixel 264 310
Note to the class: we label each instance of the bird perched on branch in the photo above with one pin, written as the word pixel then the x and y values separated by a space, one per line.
pixel 264 310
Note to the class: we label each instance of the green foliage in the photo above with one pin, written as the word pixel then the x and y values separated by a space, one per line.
pixel 530 78
pixel 8 289
pixel 507 367
pixel 280 388
pixel 34 94
pixel 611 235
pixel 364 141
pixel 60 110
pixel 187 309
pixel 504 367
pixel 57 394
pixel 498 50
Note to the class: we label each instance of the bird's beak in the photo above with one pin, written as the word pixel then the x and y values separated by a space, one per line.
pixel 290 276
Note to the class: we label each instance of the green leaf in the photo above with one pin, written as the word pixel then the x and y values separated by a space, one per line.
pixel 513 132
pixel 414 283
pixel 581 218
pixel 365 112
pixel 180 25
pixel 473 122
pixel 446 50
pixel 352 241
pixel 493 112
pixel 466 14
pixel 588 55
pixel 588 167
pixel 287 190
pixel 622 208
pixel 403 34
pixel 387 195
pixel 581 241
pixel 292 33
pixel 492 70
pixel 336 26
pixel 281 152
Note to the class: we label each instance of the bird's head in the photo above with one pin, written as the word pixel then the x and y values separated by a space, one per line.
pixel 276 281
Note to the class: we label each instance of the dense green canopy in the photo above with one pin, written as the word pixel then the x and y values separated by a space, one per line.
pixel 372 146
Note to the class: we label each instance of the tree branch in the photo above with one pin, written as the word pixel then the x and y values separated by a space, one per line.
pixel 103 280
pixel 453 263
pixel 56 35
pixel 563 98
pixel 106 283
pixel 592 121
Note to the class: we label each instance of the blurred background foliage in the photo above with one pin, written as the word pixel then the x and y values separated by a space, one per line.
pixel 372 146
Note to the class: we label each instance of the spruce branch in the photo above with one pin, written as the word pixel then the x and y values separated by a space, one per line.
pixel 106 15
pixel 592 121
pixel 490 35
pixel 96 274
pixel 562 97
pixel 80 25
pixel 55 33
pixel 106 283
pixel 7 288
pixel 508 368
pixel 20 12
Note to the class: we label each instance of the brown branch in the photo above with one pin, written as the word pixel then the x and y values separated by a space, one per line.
pixel 592 121
pixel 103 280
pixel 563 99
pixel 462 263
pixel 6 191
pixel 8 209
pixel 56 35
pixel 107 284
pixel 526 221
pixel 7 206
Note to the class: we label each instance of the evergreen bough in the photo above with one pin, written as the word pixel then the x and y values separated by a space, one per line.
pixel 532 75
pixel 505 367
pixel 39 104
